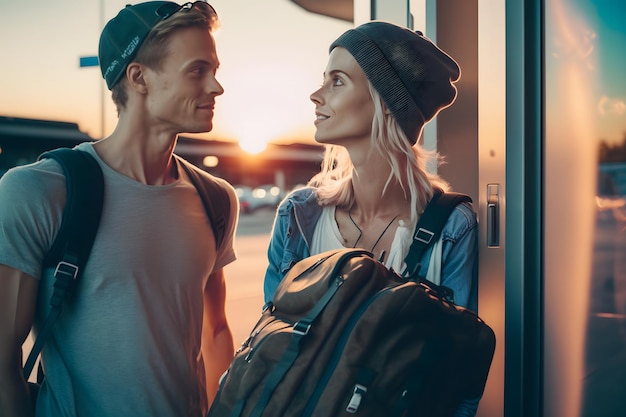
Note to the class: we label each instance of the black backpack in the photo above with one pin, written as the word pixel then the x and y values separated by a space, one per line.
pixel 79 225
pixel 345 335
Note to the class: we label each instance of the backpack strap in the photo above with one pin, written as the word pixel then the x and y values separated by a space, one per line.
pixel 214 197
pixel 300 330
pixel 79 224
pixel 430 225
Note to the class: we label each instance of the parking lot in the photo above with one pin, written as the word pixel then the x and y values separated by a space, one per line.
pixel 244 277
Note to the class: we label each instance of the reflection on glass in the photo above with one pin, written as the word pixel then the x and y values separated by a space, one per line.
pixel 585 335
pixel 605 359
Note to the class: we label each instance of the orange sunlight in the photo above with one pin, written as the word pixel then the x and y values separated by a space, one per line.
pixel 262 104
pixel 268 68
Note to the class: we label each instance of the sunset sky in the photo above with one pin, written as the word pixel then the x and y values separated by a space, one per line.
pixel 272 56
pixel 272 53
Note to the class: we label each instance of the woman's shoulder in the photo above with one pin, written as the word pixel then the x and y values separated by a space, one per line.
pixel 298 196
pixel 301 193
pixel 462 220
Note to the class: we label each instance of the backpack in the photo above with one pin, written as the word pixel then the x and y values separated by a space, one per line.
pixel 79 225
pixel 345 335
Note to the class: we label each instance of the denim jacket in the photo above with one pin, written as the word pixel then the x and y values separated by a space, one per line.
pixel 292 233
pixel 295 223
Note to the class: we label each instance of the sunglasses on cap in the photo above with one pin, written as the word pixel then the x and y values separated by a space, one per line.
pixel 169 9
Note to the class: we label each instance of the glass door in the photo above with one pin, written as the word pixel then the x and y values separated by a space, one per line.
pixel 585 211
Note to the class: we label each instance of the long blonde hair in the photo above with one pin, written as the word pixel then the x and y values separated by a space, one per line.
pixel 408 165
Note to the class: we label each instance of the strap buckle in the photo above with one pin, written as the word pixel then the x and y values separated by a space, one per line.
pixel 66 268
pixel 301 328
pixel 423 235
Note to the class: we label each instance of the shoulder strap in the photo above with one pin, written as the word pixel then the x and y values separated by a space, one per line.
pixel 72 245
pixel 81 216
pixel 430 224
pixel 215 199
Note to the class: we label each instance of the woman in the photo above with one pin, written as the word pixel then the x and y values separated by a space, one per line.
pixel 382 84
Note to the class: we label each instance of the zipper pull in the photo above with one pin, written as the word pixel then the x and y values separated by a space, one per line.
pixel 244 345
pixel 314 265
pixel 357 396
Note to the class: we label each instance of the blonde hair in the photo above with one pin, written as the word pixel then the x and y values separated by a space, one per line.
pixel 155 47
pixel 408 165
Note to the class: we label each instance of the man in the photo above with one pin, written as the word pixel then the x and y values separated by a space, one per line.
pixel 146 334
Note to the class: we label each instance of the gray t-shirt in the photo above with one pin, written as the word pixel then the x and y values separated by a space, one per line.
pixel 128 343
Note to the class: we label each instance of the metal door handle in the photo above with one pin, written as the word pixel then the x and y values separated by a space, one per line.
pixel 493 220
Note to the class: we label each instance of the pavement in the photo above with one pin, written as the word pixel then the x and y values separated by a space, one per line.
pixel 244 277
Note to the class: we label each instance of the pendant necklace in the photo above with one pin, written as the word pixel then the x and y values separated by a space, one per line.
pixel 361 232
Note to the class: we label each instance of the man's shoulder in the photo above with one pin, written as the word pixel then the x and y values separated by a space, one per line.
pixel 33 176
pixel 220 200
pixel 218 193
pixel 207 178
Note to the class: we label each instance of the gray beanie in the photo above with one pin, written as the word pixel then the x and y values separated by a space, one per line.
pixel 413 76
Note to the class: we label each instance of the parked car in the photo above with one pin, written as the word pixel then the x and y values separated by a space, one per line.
pixel 266 196
pixel 244 193
pixel 263 196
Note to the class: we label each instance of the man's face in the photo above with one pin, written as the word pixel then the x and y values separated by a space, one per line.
pixel 181 94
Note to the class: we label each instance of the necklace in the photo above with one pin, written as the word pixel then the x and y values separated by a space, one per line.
pixel 361 232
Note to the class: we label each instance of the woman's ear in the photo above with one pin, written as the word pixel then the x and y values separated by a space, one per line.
pixel 136 77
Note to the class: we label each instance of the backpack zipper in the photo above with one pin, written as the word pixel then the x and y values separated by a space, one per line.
pixel 253 349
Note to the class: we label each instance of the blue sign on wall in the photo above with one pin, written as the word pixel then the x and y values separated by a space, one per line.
pixel 88 61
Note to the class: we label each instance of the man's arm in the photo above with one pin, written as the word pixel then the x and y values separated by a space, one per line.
pixel 217 339
pixel 18 295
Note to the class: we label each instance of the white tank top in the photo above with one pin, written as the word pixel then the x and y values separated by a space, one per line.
pixel 327 237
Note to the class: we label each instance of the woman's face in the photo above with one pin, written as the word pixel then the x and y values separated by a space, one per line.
pixel 343 104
